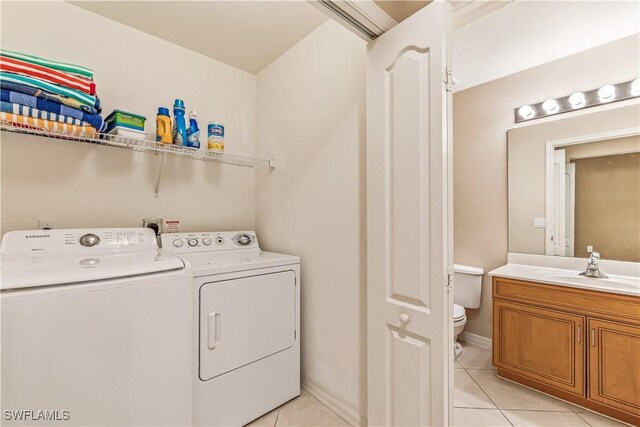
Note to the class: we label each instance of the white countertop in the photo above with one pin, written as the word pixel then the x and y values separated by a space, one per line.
pixel 626 285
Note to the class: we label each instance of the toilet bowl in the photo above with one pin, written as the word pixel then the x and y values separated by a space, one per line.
pixel 467 287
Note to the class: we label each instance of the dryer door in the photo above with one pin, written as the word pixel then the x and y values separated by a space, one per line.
pixel 246 319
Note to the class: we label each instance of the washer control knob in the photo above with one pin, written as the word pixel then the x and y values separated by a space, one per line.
pixel 192 242
pixel 243 239
pixel 89 240
pixel 206 241
pixel 219 240
pixel 178 243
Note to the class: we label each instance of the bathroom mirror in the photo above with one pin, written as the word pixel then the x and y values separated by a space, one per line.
pixel 574 186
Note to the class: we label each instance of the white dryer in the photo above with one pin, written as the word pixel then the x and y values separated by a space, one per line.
pixel 96 329
pixel 246 323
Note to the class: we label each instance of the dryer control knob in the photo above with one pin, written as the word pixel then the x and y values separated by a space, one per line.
pixel 243 239
pixel 89 240
pixel 178 243
pixel 206 241
pixel 192 242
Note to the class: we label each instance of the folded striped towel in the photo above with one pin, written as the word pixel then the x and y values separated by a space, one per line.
pixel 46 107
pixel 23 110
pixel 84 98
pixel 32 122
pixel 50 96
pixel 50 75
pixel 56 65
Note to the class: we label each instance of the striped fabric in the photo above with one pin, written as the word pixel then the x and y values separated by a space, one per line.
pixel 60 66
pixel 32 122
pixel 47 74
pixel 84 98
pixel 23 110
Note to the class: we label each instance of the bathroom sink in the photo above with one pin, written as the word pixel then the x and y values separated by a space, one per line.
pixel 621 283
pixel 627 285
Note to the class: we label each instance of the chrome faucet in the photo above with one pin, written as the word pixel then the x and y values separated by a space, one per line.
pixel 592 267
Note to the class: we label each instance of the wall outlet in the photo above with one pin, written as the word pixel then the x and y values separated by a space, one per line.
pixel 46 224
pixel 153 223
pixel 589 249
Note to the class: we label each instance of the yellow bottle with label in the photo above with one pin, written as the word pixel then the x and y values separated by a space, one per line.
pixel 163 126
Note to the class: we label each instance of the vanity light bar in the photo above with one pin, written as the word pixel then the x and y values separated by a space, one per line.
pixel 579 100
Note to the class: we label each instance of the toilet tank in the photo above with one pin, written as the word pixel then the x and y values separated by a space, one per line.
pixel 467 285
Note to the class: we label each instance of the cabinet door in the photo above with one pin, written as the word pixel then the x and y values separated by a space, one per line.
pixel 544 345
pixel 614 365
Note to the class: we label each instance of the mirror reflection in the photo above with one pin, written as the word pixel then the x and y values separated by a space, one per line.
pixel 574 187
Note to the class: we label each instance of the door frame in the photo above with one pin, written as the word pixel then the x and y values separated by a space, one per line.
pixel 550 147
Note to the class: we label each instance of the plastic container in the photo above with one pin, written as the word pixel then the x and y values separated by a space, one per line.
pixel 179 125
pixel 193 132
pixel 128 133
pixel 215 136
pixel 163 126
pixel 125 119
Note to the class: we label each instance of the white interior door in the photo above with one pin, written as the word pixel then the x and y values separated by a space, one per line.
pixel 558 236
pixel 409 335
pixel 570 209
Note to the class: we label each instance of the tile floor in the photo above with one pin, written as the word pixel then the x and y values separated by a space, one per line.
pixel 481 399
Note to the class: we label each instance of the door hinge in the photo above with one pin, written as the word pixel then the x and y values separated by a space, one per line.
pixel 295 334
pixel 448 79
pixel 449 282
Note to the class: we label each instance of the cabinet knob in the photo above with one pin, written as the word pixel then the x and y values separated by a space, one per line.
pixel 404 318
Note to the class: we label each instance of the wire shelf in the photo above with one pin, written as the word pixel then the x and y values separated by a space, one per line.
pixel 138 145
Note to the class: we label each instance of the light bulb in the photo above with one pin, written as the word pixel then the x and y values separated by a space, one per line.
pixel 635 87
pixel 577 100
pixel 526 112
pixel 550 106
pixel 607 93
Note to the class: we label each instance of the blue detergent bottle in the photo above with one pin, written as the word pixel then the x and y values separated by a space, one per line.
pixel 179 125
pixel 193 132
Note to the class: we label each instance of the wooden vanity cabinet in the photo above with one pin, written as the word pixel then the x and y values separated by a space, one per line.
pixel 579 345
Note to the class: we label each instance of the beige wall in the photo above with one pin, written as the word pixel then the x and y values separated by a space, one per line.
pixel 311 114
pixel 608 206
pixel 526 159
pixel 481 117
pixel 92 186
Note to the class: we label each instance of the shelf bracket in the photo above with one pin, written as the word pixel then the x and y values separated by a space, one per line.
pixel 157 190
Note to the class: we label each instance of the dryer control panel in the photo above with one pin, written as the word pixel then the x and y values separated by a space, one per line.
pixel 181 243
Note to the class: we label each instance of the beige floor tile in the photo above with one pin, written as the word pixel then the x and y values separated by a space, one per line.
pixel 544 419
pixel 479 418
pixel 307 411
pixel 596 420
pixel 267 420
pixel 457 365
pixel 474 357
pixel 508 395
pixel 467 394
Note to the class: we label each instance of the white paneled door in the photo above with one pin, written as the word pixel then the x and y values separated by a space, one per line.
pixel 409 327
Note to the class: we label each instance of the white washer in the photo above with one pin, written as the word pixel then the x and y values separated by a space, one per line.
pixel 247 325
pixel 95 329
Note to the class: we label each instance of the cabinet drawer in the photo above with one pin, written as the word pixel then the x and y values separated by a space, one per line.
pixel 623 308
pixel 544 345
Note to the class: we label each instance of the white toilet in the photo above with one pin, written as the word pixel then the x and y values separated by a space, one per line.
pixel 467 287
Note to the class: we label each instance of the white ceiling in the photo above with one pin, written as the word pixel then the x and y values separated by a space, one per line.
pixel 524 34
pixel 245 34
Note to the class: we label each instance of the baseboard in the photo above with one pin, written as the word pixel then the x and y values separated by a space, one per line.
pixel 475 339
pixel 346 413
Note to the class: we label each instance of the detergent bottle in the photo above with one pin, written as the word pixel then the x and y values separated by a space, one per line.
pixel 163 126
pixel 179 125
pixel 193 133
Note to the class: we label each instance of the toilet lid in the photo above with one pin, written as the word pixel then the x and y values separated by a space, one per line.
pixel 458 312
